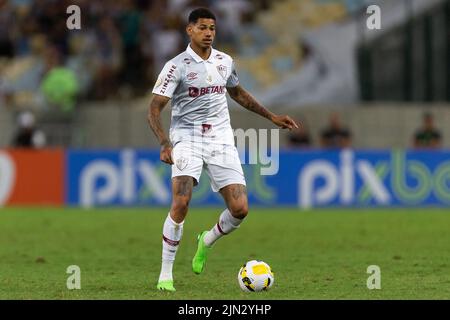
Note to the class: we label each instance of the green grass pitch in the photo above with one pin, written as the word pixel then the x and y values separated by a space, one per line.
pixel 318 254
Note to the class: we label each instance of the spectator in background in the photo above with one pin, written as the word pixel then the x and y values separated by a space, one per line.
pixel 6 29
pixel 299 138
pixel 168 41
pixel 83 61
pixel 231 14
pixel 28 136
pixel 108 58
pixel 176 6
pixel 49 21
pixel 59 84
pixel 152 21
pixel 335 135
pixel 428 136
pixel 117 49
pixel 129 21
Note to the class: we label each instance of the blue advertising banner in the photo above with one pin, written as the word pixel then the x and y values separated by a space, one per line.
pixel 304 179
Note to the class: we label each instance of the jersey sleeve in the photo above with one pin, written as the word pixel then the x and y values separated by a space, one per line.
pixel 233 79
pixel 168 80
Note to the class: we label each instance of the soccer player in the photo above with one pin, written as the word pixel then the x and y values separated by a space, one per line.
pixel 200 136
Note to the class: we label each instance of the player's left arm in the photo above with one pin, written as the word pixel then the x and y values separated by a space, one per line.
pixel 245 99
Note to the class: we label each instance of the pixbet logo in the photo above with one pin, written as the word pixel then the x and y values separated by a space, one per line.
pixel 7 177
pixel 119 181
pixel 338 181
pixel 400 179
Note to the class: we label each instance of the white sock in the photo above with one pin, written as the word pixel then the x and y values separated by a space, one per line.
pixel 166 270
pixel 227 223
pixel 172 233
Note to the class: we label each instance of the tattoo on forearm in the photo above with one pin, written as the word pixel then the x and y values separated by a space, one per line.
pixel 238 192
pixel 183 186
pixel 248 102
pixel 154 120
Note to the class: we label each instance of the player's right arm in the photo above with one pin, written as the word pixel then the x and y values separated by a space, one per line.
pixel 164 88
pixel 154 120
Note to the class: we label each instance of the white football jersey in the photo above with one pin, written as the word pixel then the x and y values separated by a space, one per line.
pixel 198 91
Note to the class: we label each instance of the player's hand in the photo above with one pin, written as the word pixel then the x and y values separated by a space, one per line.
pixel 284 122
pixel 166 152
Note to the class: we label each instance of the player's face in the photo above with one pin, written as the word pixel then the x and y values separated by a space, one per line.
pixel 203 32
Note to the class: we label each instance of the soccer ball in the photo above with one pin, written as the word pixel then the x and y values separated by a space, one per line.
pixel 255 276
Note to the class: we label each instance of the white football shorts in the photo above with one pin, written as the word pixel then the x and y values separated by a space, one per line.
pixel 221 162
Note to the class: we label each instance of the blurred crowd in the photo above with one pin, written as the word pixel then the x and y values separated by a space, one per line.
pixel 336 135
pixel 121 47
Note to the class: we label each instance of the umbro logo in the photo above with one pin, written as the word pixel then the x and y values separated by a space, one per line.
pixel 192 76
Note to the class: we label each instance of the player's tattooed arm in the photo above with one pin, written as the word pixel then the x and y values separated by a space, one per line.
pixel 154 120
pixel 245 99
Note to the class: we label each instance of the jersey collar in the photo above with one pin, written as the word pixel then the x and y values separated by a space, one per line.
pixel 197 58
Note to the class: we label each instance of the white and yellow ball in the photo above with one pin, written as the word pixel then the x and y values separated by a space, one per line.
pixel 255 276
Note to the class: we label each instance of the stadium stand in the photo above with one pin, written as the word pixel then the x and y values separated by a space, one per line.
pixel 114 52
pixel 297 54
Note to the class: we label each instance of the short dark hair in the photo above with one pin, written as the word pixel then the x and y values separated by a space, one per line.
pixel 201 13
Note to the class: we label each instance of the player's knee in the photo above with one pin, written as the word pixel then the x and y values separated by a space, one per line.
pixel 239 210
pixel 180 205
